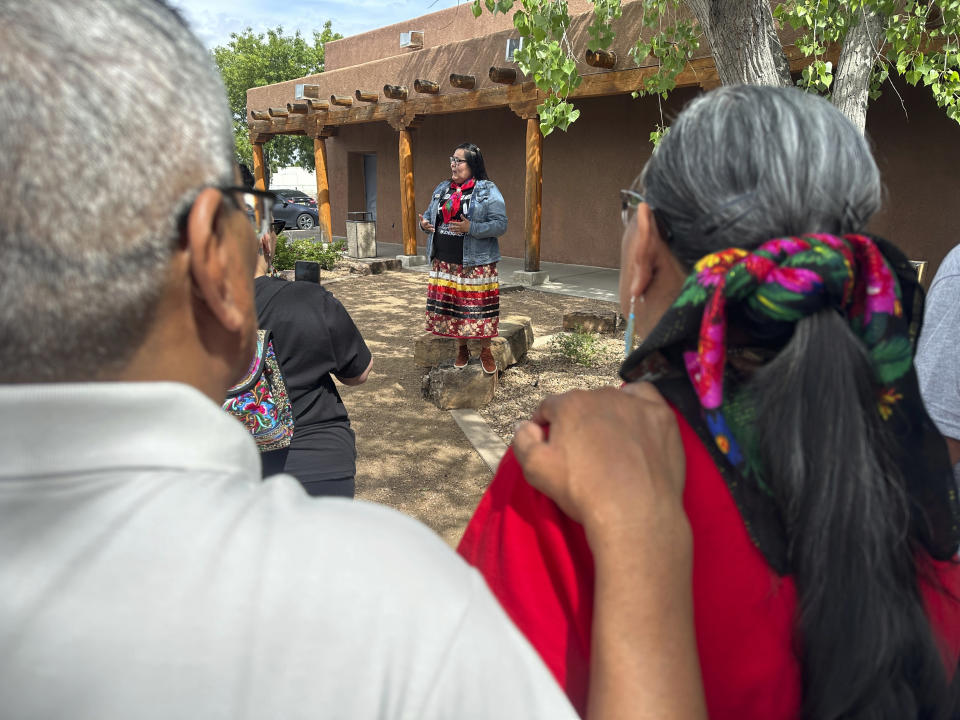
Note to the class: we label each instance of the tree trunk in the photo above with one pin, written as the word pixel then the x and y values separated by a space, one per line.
pixel 851 83
pixel 744 41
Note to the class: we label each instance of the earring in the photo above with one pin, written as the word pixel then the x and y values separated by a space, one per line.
pixel 628 335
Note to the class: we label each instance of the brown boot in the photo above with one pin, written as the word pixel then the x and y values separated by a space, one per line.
pixel 463 357
pixel 487 362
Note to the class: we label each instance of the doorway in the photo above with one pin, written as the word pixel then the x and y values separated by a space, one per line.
pixel 370 185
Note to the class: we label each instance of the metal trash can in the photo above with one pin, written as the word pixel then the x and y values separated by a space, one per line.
pixel 361 235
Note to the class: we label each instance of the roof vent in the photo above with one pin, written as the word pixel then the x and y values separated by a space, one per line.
pixel 513 44
pixel 412 39
pixel 298 95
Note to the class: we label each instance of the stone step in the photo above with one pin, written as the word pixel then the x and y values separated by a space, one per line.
pixel 370 266
pixel 593 321
pixel 450 388
pixel 508 348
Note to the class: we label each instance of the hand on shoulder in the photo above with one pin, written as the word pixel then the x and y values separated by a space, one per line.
pixel 611 459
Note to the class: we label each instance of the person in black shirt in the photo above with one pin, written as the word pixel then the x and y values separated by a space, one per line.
pixel 315 340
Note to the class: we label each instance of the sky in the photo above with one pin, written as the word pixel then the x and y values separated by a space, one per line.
pixel 214 20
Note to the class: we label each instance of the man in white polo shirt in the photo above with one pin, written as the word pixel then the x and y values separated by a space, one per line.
pixel 145 571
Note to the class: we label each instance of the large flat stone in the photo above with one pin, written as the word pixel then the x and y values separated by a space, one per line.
pixel 509 348
pixel 449 388
pixel 597 321
pixel 518 331
pixel 371 266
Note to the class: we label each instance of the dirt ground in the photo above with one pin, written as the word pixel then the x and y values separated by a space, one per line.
pixel 411 455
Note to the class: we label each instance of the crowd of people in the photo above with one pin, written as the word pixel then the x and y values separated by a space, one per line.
pixel 762 522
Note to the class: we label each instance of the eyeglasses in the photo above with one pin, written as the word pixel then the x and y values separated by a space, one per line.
pixel 258 204
pixel 629 201
pixel 456 162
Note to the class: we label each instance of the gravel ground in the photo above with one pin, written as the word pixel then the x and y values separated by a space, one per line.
pixel 411 455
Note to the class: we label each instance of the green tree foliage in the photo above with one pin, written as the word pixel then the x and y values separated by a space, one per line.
pixel 251 60
pixel 920 42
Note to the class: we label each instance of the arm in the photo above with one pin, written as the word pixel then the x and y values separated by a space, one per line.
pixel 352 360
pixel 937 361
pixel 953 448
pixel 614 462
pixel 496 223
pixel 359 379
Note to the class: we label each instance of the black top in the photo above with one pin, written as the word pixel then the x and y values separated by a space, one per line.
pixel 448 245
pixel 314 337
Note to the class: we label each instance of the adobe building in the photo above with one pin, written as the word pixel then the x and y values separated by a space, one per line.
pixel 384 149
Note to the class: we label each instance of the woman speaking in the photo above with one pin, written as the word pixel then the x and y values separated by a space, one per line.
pixel 465 217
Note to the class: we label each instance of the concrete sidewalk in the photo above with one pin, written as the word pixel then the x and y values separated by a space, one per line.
pixel 576 280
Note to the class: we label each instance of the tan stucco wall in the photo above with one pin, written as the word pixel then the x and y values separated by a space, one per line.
pixel 452 25
pixel 918 151
pixel 582 172
pixel 604 150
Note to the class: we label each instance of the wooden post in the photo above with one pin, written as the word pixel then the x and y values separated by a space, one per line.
pixel 259 177
pixel 323 186
pixel 408 200
pixel 533 196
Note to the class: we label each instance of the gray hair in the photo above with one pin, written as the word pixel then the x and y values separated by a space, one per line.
pixel 744 164
pixel 112 118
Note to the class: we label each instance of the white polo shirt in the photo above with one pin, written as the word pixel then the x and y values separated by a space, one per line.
pixel 147 572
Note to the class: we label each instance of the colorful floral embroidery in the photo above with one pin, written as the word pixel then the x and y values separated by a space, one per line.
pixel 260 400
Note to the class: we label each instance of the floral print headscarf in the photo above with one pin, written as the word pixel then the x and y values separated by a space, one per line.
pixel 769 289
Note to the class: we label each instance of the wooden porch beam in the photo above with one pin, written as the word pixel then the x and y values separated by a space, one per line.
pixel 698 72
pixel 323 186
pixel 408 200
pixel 464 82
pixel 426 86
pixel 505 76
pixel 492 97
pixel 606 59
pixel 259 177
pixel 395 92
pixel 533 196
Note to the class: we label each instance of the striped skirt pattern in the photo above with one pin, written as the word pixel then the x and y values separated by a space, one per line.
pixel 463 301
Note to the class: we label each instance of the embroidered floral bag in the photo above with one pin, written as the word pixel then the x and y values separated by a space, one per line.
pixel 260 399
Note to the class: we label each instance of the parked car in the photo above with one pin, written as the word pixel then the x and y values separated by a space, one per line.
pixel 296 196
pixel 295 216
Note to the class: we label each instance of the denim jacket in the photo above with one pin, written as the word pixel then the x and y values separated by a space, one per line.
pixel 488 221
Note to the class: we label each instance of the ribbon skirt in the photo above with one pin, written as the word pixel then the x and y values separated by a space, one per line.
pixel 463 301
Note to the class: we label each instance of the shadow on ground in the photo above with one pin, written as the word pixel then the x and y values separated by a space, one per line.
pixel 410 455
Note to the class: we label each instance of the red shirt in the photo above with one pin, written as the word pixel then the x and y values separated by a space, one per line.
pixel 537 562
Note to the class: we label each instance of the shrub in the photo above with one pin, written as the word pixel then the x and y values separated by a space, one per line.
pixel 580 347
pixel 289 251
